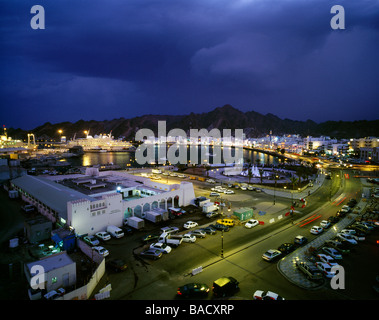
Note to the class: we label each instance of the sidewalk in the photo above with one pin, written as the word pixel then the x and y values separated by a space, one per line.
pixel 287 266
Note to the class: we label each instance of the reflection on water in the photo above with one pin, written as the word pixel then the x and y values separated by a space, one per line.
pixel 126 159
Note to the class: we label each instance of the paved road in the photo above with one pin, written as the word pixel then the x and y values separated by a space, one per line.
pixel 242 257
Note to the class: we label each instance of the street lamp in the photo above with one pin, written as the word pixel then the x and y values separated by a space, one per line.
pixel 222 243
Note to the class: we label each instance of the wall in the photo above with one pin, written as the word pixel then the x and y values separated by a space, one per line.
pixel 89 217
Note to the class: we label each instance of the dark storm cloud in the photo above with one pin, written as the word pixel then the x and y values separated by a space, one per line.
pixel 169 56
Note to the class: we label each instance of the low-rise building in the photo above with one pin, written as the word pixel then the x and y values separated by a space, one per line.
pixel 91 202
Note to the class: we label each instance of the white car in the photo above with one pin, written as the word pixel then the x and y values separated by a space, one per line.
pixel 190 224
pixel 316 230
pixel 332 252
pixel 271 255
pixel 353 234
pixel 251 223
pixel 345 209
pixel 228 192
pixel 101 250
pixel 189 238
pixel 269 295
pixel 325 224
pixel 180 175
pixel 105 236
pixel 243 188
pixel 161 247
pixel 214 194
pixel 326 269
pixel 211 181
pixel 327 259
pixel 347 237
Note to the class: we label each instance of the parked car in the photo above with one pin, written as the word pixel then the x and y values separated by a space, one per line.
pixel 340 246
pixel 269 295
pixel 214 194
pixel 198 233
pixel 151 254
pixel 228 191
pixel 193 290
pixel 347 237
pixel 286 248
pixel 316 230
pixel 101 250
pixel 333 219
pixel 341 214
pixel 102 235
pixel 209 230
pixel 212 214
pixel 310 270
pixel 345 208
pixel 91 240
pixel 169 229
pixel 188 238
pixel 352 202
pixel 190 224
pixel 325 269
pixel 28 208
pixel 271 255
pixel 355 234
pixel 327 259
pixel 220 227
pixel 117 265
pixel 334 253
pixel 150 237
pixel 161 247
pixel 325 224
pixel 366 225
pixel 251 223
pixel 300 240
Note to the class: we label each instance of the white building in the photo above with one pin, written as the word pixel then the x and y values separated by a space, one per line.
pixel 58 270
pixel 89 203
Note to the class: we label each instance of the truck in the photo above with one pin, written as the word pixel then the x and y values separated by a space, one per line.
pixel 209 207
pixel 200 201
pixel 135 222
pixel 153 216
pixel 225 286
pixel 176 212
pixel 173 241
pixel 115 232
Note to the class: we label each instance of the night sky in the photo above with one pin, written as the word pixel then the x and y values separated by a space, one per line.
pixel 106 59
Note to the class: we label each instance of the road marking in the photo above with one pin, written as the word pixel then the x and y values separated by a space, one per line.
pixel 310 221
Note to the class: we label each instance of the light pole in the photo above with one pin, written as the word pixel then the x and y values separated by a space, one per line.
pixel 222 244
pixel 276 179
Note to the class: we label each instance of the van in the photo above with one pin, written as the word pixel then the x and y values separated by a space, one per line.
pixel 115 231
pixel 225 286
pixel 226 222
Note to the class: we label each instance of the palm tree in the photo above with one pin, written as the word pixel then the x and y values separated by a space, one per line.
pixel 261 171
pixel 294 181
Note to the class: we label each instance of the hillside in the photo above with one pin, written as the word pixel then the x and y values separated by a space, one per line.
pixel 253 123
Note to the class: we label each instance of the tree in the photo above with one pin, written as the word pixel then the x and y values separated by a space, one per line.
pixel 261 171
pixel 294 181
